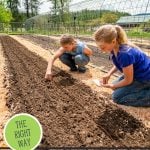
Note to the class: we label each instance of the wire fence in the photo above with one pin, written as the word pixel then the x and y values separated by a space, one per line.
pixel 85 17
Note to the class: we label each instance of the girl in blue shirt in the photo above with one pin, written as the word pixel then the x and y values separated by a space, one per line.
pixel 133 88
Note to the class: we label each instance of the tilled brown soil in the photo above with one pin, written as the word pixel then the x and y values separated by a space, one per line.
pixel 98 58
pixel 71 114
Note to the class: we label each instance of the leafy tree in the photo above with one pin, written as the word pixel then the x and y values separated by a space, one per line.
pixel 27 8
pixel 34 6
pixel 60 7
pixel 109 18
pixel 14 5
pixel 5 14
pixel 3 2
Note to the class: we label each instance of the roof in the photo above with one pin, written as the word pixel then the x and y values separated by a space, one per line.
pixel 134 19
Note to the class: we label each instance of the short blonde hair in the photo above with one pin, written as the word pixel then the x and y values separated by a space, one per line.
pixel 66 39
pixel 107 33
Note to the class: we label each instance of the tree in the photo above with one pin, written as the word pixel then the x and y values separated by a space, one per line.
pixel 5 14
pixel 64 8
pixel 3 2
pixel 34 5
pixel 27 8
pixel 60 7
pixel 109 17
pixel 14 5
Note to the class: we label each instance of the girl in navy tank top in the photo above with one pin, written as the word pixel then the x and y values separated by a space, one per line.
pixel 73 53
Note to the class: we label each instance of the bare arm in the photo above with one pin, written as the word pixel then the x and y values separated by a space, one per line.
pixel 87 51
pixel 106 77
pixel 112 71
pixel 128 78
pixel 48 74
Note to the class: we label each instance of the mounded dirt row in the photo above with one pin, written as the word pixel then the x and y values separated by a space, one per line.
pixel 98 58
pixel 70 112
pixel 4 113
pixel 35 43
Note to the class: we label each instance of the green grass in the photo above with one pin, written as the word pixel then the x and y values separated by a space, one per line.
pixel 134 33
pixel 17 33
pixel 139 34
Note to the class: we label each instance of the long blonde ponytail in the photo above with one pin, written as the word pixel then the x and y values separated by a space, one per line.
pixel 121 35
pixel 108 33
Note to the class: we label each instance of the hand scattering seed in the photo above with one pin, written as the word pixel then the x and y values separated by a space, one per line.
pixel 97 82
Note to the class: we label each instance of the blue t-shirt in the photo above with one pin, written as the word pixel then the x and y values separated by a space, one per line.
pixel 128 55
pixel 79 49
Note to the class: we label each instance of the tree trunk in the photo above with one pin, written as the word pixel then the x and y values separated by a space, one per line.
pixel 27 8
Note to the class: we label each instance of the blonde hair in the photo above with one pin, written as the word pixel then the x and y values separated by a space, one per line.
pixel 67 39
pixel 109 32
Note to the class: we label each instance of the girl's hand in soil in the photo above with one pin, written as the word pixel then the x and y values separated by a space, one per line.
pixel 105 79
pixel 111 86
pixel 49 76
